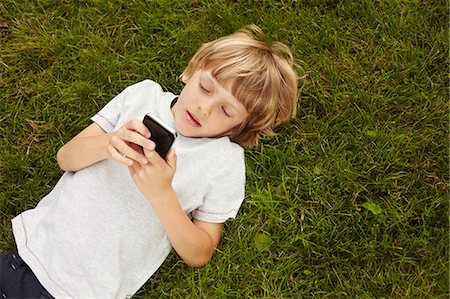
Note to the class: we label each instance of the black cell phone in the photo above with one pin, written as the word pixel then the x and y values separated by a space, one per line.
pixel 161 134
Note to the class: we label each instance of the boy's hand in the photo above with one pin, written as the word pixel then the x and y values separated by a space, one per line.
pixel 125 145
pixel 154 179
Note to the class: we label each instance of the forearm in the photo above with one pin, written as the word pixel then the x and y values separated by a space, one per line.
pixel 194 245
pixel 194 242
pixel 83 151
pixel 93 144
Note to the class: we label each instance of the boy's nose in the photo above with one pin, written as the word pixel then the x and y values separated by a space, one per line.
pixel 206 107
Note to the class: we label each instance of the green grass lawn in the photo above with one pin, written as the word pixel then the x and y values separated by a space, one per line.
pixel 349 200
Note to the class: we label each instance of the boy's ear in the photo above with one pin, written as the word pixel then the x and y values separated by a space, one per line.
pixel 184 78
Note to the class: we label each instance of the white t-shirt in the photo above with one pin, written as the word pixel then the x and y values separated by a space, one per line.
pixel 95 234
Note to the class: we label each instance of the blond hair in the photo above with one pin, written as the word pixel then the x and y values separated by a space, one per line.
pixel 262 78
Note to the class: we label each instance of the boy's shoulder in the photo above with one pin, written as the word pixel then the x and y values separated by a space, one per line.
pixel 218 149
pixel 146 92
pixel 145 84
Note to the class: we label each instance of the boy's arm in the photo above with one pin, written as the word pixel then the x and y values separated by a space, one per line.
pixel 194 241
pixel 86 148
pixel 93 144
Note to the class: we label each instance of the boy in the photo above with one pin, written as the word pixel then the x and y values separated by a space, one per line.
pixel 119 208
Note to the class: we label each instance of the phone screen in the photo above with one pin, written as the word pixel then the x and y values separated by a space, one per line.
pixel 161 134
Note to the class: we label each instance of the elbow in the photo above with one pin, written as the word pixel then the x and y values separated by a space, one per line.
pixel 60 159
pixel 198 261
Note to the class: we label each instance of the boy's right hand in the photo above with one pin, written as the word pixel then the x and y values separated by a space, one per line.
pixel 125 145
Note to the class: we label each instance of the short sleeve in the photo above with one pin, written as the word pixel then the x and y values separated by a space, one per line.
pixel 108 116
pixel 133 102
pixel 225 192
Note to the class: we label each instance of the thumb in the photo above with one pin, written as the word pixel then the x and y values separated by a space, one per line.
pixel 171 159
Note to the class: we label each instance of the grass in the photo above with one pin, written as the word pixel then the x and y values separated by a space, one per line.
pixel 350 199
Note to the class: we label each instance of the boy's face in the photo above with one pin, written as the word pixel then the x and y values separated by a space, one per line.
pixel 205 108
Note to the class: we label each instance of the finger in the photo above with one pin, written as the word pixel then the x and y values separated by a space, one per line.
pixel 153 157
pixel 127 150
pixel 133 169
pixel 171 158
pixel 138 126
pixel 119 157
pixel 137 149
pixel 126 153
pixel 135 137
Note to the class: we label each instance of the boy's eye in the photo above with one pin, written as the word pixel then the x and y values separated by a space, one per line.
pixel 203 88
pixel 225 112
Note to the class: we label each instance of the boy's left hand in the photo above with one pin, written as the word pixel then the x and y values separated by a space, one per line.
pixel 154 179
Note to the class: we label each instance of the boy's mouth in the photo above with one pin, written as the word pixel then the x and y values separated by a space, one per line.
pixel 192 119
